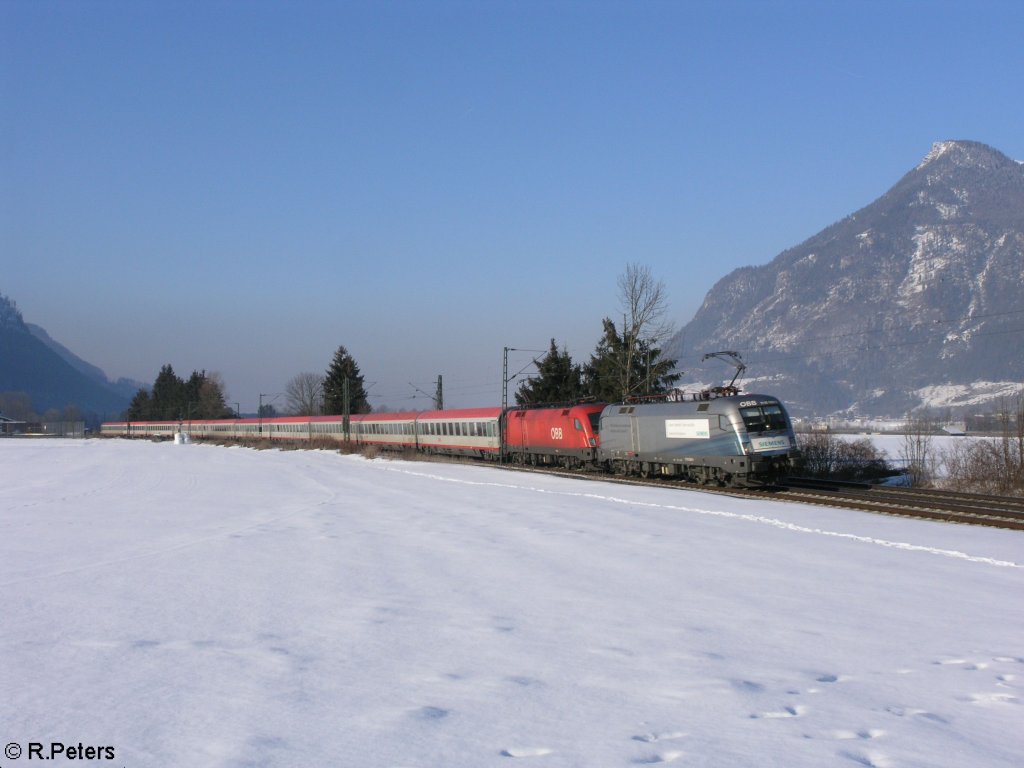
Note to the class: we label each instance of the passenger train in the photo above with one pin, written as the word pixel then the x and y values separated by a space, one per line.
pixel 734 440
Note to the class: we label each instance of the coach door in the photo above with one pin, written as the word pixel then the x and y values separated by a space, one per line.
pixel 517 429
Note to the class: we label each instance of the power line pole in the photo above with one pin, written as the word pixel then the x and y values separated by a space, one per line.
pixel 346 409
pixel 439 397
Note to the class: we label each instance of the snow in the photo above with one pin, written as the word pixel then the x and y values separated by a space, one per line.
pixel 191 605
pixel 939 148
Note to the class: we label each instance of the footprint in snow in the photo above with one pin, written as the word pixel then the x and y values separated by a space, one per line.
pixel 663 757
pixel 650 738
pixel 992 698
pixel 865 734
pixel 431 713
pixel 868 759
pixel 794 711
pixel 525 752
pixel 747 686
pixel 922 713
pixel 967 664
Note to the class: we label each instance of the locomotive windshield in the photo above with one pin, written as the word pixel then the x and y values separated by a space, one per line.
pixel 595 422
pixel 764 418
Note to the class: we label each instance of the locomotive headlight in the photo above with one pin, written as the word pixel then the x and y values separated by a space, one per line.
pixel 593 443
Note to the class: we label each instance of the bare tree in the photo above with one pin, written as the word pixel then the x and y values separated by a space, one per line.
pixel 990 465
pixel 917 452
pixel 305 393
pixel 644 303
pixel 1011 414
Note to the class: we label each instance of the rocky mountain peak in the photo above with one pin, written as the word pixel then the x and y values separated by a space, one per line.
pixel 10 317
pixel 964 154
pixel 921 289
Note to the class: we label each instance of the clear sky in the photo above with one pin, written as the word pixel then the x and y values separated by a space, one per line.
pixel 244 186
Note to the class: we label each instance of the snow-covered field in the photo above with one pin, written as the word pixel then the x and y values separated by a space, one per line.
pixel 202 606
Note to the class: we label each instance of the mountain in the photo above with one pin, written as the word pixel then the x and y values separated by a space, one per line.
pixel 915 300
pixel 124 387
pixel 29 365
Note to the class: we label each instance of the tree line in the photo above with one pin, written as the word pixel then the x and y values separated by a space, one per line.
pixel 626 362
pixel 341 390
pixel 172 398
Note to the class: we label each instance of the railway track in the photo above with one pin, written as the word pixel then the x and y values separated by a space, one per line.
pixel 944 506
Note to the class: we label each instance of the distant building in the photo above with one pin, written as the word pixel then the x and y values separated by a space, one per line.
pixel 11 426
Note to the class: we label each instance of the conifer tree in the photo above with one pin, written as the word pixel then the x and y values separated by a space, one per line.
pixel 618 370
pixel 201 397
pixel 558 380
pixel 168 395
pixel 344 366
pixel 212 402
pixel 141 407
pixel 603 375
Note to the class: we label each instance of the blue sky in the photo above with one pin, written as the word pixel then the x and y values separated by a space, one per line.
pixel 243 186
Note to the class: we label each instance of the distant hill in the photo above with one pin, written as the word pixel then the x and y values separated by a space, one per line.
pixel 124 387
pixel 915 300
pixel 30 365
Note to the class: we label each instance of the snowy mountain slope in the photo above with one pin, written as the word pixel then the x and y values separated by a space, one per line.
pixel 202 606
pixel 920 289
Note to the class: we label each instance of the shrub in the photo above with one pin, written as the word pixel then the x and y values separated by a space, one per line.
pixel 828 457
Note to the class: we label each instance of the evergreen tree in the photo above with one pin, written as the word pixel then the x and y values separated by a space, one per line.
pixel 618 370
pixel 201 397
pixel 653 374
pixel 558 380
pixel 141 407
pixel 344 366
pixel 212 404
pixel 168 395
pixel 191 395
pixel 603 375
